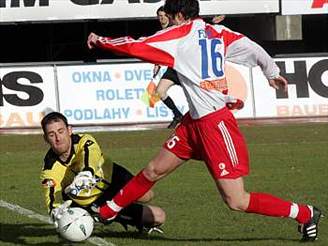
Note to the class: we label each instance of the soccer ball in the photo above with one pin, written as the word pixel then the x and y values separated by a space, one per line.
pixel 75 224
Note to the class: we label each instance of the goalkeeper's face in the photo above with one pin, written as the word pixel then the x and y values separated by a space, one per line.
pixel 58 135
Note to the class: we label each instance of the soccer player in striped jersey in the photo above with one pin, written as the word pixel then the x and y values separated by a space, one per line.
pixel 75 169
pixel 170 77
pixel 209 132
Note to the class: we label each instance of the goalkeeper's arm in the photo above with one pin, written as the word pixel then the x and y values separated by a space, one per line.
pixel 52 192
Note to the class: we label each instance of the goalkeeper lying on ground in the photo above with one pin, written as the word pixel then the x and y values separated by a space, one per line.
pixel 75 170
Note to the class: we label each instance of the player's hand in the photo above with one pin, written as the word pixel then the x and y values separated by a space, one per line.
pixel 83 181
pixel 279 83
pixel 233 103
pixel 56 213
pixel 218 18
pixel 92 40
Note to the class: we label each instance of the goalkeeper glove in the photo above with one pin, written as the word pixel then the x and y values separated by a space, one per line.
pixel 83 181
pixel 57 213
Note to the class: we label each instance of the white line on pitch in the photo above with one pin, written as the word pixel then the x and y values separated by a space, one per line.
pixel 33 215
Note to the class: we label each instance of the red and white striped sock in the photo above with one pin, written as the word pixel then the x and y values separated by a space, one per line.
pixel 301 213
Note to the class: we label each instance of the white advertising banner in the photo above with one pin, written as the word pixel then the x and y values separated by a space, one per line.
pixel 25 93
pixel 307 89
pixel 303 7
pixel 59 10
pixel 120 93
pixel 112 93
pixel 214 7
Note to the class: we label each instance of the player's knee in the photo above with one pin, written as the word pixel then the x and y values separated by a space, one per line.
pixel 153 216
pixel 159 215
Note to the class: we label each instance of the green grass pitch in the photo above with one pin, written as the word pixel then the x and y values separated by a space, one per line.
pixel 290 161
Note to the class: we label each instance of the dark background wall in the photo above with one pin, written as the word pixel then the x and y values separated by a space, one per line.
pixel 50 42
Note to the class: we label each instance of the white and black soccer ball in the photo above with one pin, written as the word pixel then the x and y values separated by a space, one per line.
pixel 75 224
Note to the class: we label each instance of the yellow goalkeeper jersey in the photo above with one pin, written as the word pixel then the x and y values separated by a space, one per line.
pixel 57 175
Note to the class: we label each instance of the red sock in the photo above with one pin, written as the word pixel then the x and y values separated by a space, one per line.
pixel 266 204
pixel 133 190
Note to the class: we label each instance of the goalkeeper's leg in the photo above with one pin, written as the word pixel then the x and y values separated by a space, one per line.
pixel 143 217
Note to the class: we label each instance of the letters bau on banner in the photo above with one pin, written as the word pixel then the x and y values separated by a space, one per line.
pixel 20 119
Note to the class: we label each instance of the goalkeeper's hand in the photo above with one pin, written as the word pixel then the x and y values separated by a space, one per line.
pixel 57 213
pixel 83 181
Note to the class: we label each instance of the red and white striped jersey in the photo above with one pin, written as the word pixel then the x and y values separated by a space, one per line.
pixel 197 51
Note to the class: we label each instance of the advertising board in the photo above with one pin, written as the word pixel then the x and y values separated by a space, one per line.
pixel 25 94
pixel 68 10
pixel 307 89
pixel 297 7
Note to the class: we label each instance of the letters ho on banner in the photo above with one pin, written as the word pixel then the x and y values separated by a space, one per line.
pixel 307 89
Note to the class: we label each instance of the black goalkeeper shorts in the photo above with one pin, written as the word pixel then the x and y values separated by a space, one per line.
pixel 172 75
pixel 120 177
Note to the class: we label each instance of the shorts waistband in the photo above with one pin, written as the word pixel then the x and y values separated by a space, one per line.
pixel 221 112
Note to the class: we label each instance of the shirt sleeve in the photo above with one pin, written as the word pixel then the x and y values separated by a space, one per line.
pixel 246 52
pixel 92 155
pixel 52 190
pixel 160 48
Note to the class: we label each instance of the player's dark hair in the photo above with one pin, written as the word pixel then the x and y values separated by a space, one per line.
pixel 160 9
pixel 52 117
pixel 188 8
